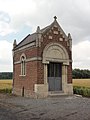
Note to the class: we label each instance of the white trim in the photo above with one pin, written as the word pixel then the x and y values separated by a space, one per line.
pixel 18 62
pixel 25 46
pixel 22 55
pixel 22 75
pixel 29 59
pixel 23 64
pixel 33 59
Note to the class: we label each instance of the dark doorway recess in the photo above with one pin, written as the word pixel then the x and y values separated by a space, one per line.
pixel 55 76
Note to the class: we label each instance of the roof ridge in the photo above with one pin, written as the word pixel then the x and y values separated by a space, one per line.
pixel 22 40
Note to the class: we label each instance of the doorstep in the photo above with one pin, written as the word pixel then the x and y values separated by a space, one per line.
pixel 56 94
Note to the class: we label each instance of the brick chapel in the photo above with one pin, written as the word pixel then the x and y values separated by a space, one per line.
pixel 42 63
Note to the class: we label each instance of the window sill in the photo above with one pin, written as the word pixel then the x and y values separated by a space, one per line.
pixel 22 75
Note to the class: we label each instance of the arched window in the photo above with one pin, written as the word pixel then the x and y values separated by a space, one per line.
pixel 23 65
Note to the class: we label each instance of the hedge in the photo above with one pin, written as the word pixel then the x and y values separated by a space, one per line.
pixel 6 90
pixel 84 91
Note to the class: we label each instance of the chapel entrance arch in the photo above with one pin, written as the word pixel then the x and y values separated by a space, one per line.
pixel 55 57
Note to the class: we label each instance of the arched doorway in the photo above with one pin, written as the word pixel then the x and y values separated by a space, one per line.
pixel 55 58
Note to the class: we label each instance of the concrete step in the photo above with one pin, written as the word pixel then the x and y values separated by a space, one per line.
pixel 56 94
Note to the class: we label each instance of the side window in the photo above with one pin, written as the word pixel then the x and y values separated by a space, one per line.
pixel 23 65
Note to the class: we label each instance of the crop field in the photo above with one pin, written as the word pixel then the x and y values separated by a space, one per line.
pixel 81 82
pixel 76 82
pixel 5 84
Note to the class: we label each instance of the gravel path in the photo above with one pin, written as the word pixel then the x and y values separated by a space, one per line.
pixel 57 108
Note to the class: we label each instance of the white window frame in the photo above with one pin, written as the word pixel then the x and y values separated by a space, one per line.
pixel 23 65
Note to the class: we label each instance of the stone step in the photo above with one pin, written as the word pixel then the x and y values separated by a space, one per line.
pixel 57 94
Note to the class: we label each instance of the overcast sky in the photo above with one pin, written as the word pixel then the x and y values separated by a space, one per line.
pixel 18 18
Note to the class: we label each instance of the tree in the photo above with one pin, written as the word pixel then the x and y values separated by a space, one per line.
pixel 78 74
pixel 6 75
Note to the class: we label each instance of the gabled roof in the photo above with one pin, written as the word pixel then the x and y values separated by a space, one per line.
pixel 31 38
pixel 28 39
pixel 46 29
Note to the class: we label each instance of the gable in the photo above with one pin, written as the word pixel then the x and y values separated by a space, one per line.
pixel 54 25
pixel 37 37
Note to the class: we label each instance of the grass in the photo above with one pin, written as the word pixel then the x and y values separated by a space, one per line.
pixel 81 82
pixel 6 84
pixel 81 87
pixel 78 84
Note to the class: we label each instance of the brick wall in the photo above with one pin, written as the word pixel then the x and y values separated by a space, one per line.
pixel 69 73
pixel 40 72
pixel 29 79
pixel 29 52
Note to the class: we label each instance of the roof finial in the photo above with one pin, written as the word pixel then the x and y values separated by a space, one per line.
pixel 14 43
pixel 38 29
pixel 69 36
pixel 55 17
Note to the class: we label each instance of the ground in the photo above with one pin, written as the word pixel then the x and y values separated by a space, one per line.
pixel 51 108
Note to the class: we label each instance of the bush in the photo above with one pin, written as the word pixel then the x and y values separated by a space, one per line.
pixel 6 90
pixel 86 92
pixel 81 91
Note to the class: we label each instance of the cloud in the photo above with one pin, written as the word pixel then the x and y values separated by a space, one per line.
pixel 5 29
pixel 4 17
pixel 74 16
pixel 5 24
pixel 81 55
pixel 14 15
pixel 5 56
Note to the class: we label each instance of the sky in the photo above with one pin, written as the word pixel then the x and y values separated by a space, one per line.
pixel 18 18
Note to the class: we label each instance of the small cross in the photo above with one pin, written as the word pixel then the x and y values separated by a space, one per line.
pixel 55 17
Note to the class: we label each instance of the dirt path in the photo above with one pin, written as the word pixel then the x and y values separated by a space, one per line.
pixel 60 108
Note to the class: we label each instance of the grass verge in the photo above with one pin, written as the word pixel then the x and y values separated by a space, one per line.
pixel 6 86
pixel 6 90
pixel 84 91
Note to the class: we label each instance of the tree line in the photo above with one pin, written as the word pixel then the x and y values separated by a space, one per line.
pixel 76 74
pixel 79 74
pixel 6 75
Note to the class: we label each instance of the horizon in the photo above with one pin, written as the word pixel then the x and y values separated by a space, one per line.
pixel 18 21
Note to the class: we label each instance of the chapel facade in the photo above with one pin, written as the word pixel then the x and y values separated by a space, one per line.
pixel 42 63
